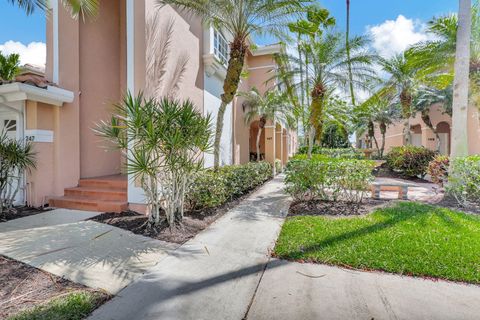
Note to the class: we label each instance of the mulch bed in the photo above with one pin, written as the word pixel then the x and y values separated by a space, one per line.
pixel 21 212
pixel 23 287
pixel 193 222
pixel 334 208
pixel 451 203
pixel 384 172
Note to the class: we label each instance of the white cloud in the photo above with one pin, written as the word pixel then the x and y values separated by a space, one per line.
pixel 394 36
pixel 34 53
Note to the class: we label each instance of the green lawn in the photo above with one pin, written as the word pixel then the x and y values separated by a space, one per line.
pixel 74 306
pixel 407 238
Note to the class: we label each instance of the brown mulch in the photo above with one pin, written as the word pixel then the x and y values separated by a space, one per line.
pixel 21 212
pixel 334 208
pixel 23 286
pixel 384 172
pixel 193 221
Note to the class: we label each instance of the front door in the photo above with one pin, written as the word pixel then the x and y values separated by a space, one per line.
pixel 9 123
pixel 444 143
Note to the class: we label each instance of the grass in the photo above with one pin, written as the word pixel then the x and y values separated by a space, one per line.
pixel 74 306
pixel 407 238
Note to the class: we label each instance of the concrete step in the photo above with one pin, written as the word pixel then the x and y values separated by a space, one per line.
pixel 88 204
pixel 107 182
pixel 96 193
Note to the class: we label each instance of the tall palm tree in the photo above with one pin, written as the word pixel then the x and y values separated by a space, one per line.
pixel 271 106
pixel 347 45
pixel 77 8
pixel 241 19
pixel 401 86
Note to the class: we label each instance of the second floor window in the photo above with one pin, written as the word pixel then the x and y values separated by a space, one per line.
pixel 220 47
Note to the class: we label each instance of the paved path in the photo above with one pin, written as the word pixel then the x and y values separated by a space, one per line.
pixel 417 191
pixel 214 275
pixel 291 291
pixel 94 254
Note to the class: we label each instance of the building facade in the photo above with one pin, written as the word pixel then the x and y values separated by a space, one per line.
pixel 136 46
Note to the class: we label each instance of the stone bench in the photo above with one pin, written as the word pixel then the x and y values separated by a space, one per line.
pixel 401 188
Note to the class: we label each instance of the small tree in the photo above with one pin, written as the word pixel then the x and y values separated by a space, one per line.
pixel 270 106
pixel 16 157
pixel 9 67
pixel 164 142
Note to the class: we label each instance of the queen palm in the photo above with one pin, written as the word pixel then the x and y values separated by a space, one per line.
pixel 268 107
pixel 77 8
pixel 241 19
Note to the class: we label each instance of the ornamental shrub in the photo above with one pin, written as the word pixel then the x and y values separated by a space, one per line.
pixel 213 188
pixel 323 178
pixel 464 183
pixel 410 161
pixel 438 169
pixel 344 153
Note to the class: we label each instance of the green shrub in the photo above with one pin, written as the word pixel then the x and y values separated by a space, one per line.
pixel 410 161
pixel 438 169
pixel 328 178
pixel 345 153
pixel 464 183
pixel 213 188
pixel 278 165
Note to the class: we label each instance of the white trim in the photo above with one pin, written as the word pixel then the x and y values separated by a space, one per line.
pixel 130 45
pixel 20 91
pixel 55 42
pixel 272 66
pixel 264 50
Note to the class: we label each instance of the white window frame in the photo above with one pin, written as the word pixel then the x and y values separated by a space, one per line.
pixel 221 48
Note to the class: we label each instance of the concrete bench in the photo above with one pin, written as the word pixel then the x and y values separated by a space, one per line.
pixel 401 188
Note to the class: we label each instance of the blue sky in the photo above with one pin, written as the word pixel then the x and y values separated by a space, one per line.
pixel 365 15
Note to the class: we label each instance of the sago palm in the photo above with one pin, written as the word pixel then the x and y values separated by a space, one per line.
pixel 77 8
pixel 241 19
pixel 271 106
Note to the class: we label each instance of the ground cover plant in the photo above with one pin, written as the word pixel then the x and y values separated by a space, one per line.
pixel 464 183
pixel 406 238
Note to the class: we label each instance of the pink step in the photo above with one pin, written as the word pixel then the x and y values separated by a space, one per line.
pixel 76 203
pixel 97 193
pixel 110 182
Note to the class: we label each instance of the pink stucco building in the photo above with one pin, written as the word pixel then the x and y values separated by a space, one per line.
pixel 91 64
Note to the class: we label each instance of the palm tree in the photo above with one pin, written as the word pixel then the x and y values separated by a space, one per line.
pixel 328 71
pixel 241 19
pixel 269 107
pixel 347 45
pixel 82 8
pixel 461 81
pixel 9 66
pixel 401 86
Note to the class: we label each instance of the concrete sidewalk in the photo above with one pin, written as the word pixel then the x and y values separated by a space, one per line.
pixel 87 252
pixel 214 275
pixel 290 291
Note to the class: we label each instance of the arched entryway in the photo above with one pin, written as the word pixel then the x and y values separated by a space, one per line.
pixel 443 130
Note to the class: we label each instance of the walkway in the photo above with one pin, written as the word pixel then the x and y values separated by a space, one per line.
pixel 290 291
pixel 417 191
pixel 214 275
pixel 94 254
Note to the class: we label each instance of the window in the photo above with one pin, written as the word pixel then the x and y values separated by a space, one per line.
pixel 10 125
pixel 220 47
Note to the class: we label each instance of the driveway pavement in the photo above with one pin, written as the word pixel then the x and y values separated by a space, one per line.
pixel 94 254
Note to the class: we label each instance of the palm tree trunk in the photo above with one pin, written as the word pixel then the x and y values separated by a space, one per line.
pixel 259 134
pixel 461 82
pixel 317 118
pixel 371 133
pixel 406 102
pixel 383 131
pixel 428 122
pixel 238 49
pixel 347 46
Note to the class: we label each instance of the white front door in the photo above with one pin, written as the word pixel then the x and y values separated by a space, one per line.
pixel 9 124
pixel 417 139
pixel 443 143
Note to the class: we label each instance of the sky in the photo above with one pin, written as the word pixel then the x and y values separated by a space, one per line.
pixel 392 25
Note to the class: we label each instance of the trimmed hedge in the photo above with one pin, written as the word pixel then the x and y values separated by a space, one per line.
pixel 329 179
pixel 213 188
pixel 410 161
pixel 344 153
pixel 464 183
